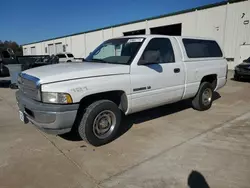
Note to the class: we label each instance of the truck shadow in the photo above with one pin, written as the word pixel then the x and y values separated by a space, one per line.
pixel 144 116
pixel 154 113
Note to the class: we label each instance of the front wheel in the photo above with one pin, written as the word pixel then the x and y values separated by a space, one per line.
pixel 236 77
pixel 100 122
pixel 204 97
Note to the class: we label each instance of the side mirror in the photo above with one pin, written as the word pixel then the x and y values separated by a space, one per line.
pixel 142 62
pixel 150 57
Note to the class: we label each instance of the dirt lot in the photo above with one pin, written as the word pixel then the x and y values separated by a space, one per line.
pixel 156 149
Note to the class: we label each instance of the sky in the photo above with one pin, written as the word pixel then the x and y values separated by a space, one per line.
pixel 28 21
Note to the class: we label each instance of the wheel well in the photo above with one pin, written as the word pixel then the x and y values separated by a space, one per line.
pixel 212 78
pixel 118 97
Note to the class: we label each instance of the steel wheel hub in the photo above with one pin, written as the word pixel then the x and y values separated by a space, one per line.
pixel 207 96
pixel 104 124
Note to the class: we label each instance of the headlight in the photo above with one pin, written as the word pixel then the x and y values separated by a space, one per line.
pixel 57 98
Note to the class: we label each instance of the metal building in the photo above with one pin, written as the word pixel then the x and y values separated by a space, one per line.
pixel 227 22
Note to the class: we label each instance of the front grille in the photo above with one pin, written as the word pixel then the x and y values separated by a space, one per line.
pixel 246 69
pixel 29 86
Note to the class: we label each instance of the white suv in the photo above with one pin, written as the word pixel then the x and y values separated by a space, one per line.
pixel 65 57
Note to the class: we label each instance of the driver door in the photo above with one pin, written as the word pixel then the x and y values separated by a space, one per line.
pixel 157 79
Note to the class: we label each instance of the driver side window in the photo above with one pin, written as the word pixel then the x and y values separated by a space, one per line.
pixel 158 50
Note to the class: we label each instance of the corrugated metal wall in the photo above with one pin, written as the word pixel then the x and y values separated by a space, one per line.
pixel 225 23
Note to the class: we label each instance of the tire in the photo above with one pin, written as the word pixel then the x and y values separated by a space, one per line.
pixel 102 111
pixel 13 86
pixel 236 77
pixel 205 92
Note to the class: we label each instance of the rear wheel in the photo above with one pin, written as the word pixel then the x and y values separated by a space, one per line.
pixel 100 122
pixel 204 97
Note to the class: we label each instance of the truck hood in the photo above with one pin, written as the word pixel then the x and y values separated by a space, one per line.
pixel 66 71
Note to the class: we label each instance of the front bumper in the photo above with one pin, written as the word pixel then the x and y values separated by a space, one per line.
pixel 50 118
pixel 242 73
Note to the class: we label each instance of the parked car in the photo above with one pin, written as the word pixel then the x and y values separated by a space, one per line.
pixel 122 76
pixel 4 71
pixel 7 56
pixel 65 57
pixel 242 70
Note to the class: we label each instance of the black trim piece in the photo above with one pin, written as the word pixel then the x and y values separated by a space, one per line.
pixel 147 19
pixel 140 89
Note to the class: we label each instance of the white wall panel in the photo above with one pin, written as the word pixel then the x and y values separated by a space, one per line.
pixel 189 23
pixel 107 34
pixel 93 40
pixel 78 45
pixel 211 23
pixel 68 44
pixel 236 33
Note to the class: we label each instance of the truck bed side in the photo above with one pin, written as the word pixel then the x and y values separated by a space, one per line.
pixel 198 68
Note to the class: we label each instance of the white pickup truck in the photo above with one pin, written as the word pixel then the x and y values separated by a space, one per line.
pixel 121 76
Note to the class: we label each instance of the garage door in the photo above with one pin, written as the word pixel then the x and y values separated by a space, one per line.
pixel 59 48
pixel 25 51
pixel 51 49
pixel 33 50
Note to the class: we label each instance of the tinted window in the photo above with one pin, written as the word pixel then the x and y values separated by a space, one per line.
pixel 61 55
pixel 197 48
pixel 158 50
pixel 70 55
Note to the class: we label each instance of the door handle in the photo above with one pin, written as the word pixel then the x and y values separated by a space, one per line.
pixel 177 70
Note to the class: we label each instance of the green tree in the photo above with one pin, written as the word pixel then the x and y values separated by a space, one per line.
pixel 13 45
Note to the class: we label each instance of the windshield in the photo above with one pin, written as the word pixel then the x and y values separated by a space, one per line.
pixel 116 51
